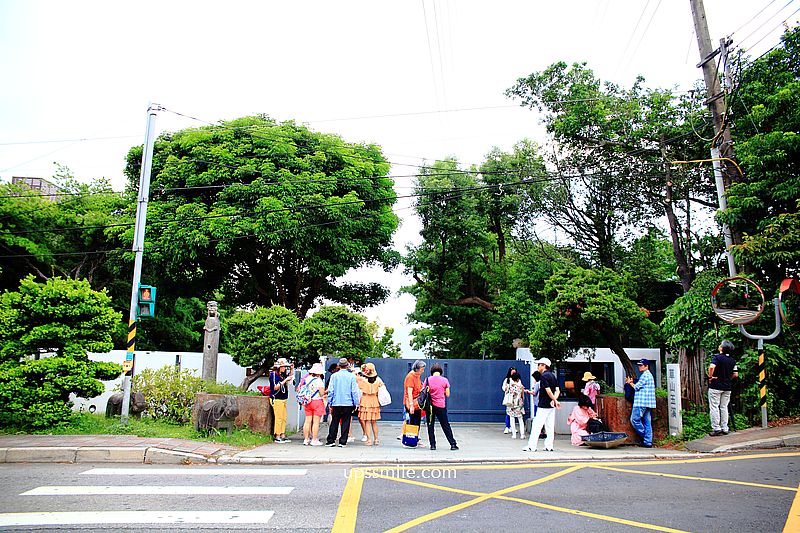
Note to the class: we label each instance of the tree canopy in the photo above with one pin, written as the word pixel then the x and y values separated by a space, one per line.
pixel 266 213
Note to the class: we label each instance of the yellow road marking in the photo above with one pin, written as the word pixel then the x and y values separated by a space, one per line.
pixel 527 502
pixel 592 515
pixel 695 478
pixel 793 520
pixel 564 464
pixel 427 485
pixel 479 499
pixel 347 513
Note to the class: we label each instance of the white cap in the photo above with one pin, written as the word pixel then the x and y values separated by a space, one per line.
pixel 544 361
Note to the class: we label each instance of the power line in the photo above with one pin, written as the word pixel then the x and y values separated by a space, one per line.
pixel 751 19
pixel 743 39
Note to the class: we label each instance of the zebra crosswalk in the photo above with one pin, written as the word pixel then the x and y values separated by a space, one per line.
pixel 229 499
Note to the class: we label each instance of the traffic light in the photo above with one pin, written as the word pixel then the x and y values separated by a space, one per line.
pixel 147 302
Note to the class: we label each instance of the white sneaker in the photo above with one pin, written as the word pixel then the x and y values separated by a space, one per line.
pixel 528 449
pixel 363 438
pixel 506 431
pixel 305 442
pixel 513 435
pixel 351 439
pixel 317 443
pixel 521 437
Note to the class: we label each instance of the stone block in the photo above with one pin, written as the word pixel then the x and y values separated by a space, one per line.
pixel 42 454
pixel 170 457
pixel 111 454
pixel 255 412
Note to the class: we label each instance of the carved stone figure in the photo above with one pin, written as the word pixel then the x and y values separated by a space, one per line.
pixel 211 343
pixel 137 406
pixel 217 414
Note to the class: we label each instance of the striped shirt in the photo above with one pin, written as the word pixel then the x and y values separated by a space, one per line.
pixel 645 391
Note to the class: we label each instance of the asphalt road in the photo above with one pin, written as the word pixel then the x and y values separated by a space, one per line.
pixel 742 493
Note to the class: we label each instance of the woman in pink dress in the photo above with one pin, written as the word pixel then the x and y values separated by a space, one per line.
pixel 579 417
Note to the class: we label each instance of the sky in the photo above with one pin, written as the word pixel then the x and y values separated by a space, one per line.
pixel 423 79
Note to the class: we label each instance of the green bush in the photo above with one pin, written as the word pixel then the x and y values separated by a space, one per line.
pixel 697 424
pixel 64 319
pixel 169 392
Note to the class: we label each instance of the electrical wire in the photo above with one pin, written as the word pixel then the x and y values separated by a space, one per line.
pixel 744 39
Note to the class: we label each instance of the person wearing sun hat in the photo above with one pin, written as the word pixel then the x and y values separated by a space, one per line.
pixel 280 378
pixel 316 407
pixel 369 409
pixel 592 388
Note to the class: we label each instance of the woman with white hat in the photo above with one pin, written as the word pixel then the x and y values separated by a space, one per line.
pixel 316 407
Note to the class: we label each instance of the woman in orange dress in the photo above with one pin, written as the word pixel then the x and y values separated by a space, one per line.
pixel 369 410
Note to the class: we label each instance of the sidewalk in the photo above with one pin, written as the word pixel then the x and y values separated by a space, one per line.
pixel 478 443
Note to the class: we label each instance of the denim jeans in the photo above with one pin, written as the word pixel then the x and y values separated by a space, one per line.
pixel 640 420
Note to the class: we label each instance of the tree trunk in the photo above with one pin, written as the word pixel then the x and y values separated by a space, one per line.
pixel 692 367
pixel 248 380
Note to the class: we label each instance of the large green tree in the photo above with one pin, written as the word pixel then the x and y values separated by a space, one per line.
pixel 589 307
pixel 66 235
pixel 266 213
pixel 335 331
pixel 765 201
pixel 257 338
pixel 46 332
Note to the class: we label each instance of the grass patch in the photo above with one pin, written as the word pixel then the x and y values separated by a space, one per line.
pixel 94 424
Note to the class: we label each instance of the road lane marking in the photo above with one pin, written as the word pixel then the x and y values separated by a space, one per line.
pixel 78 490
pixel 695 478
pixel 793 520
pixel 135 517
pixel 563 464
pixel 591 515
pixel 487 496
pixel 345 521
pixel 213 471
pixel 532 503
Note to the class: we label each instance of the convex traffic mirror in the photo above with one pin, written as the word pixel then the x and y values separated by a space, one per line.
pixel 737 300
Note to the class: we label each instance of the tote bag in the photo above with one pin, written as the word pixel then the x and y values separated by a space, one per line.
pixel 384 398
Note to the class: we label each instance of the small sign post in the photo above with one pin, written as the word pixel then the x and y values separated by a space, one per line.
pixel 674 389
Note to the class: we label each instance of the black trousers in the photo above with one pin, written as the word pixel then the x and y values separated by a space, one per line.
pixel 340 413
pixel 440 414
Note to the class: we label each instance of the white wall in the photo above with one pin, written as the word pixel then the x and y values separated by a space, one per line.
pixel 227 371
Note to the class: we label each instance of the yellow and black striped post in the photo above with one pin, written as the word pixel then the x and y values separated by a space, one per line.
pixel 127 365
pixel 762 383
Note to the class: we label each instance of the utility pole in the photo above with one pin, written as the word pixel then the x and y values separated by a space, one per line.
pixel 715 100
pixel 138 250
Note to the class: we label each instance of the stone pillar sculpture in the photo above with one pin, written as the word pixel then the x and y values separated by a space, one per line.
pixel 211 343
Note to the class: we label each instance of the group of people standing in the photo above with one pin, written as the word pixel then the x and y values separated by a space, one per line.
pixel 348 393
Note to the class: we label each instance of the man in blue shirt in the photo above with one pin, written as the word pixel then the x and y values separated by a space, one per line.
pixel 343 396
pixel 644 400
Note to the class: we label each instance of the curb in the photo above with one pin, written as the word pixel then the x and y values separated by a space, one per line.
pixel 785 441
pixel 109 454
pixel 229 459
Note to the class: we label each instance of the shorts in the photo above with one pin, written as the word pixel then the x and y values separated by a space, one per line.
pixel 315 408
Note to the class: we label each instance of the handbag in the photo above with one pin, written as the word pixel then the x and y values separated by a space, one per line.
pixel 424 397
pixel 384 398
pixel 508 399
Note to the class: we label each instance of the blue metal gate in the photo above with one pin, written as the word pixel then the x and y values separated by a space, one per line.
pixel 475 386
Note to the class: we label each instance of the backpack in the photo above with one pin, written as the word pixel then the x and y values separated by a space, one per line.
pixel 424 398
pixel 305 393
pixel 630 392
pixel 595 425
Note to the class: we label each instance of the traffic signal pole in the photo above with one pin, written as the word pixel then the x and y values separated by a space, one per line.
pixel 138 250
